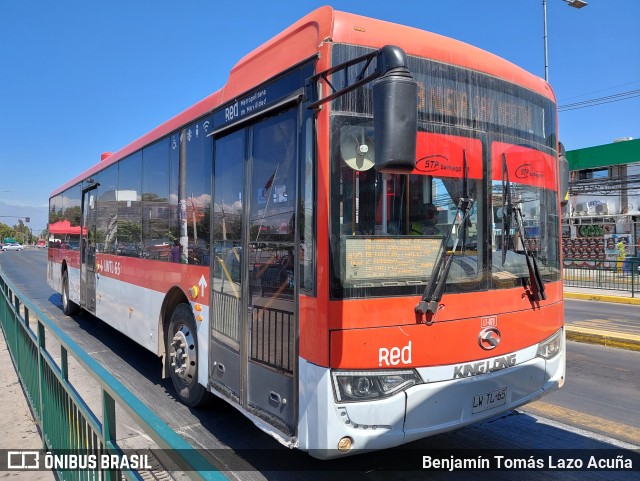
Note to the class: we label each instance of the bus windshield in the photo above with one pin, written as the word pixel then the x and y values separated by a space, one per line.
pixel 387 230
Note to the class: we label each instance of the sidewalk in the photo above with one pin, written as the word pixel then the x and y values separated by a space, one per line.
pixel 592 331
pixel 18 429
pixel 604 295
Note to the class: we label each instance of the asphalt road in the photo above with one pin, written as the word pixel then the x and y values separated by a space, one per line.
pixel 597 409
pixel 603 315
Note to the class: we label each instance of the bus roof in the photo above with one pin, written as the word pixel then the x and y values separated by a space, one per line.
pixel 304 39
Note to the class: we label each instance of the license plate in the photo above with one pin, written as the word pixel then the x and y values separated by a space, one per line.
pixel 489 400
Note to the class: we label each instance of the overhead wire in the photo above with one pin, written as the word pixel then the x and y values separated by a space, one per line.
pixel 600 100
pixel 601 90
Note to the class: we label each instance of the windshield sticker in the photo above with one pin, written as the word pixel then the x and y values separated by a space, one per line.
pixel 443 156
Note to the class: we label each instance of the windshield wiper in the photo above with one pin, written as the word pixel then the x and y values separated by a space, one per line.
pixel 536 285
pixel 427 308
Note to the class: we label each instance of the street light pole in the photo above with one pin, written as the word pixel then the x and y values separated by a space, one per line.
pixel 546 57
pixel 571 3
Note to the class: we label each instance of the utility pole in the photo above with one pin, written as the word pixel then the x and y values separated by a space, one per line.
pixel 571 3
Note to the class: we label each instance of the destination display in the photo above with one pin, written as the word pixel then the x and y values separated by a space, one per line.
pixel 482 105
pixel 458 96
pixel 390 257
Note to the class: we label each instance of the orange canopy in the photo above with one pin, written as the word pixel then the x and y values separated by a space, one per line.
pixel 65 227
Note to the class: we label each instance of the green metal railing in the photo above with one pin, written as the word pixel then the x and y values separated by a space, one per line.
pixel 623 275
pixel 66 422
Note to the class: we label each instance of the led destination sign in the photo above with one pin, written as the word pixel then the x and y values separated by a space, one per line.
pixel 386 257
pixel 460 97
pixel 479 105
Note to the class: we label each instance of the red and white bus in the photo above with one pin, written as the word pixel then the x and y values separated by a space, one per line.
pixel 356 241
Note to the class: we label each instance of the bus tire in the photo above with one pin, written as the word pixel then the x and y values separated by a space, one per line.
pixel 182 356
pixel 68 307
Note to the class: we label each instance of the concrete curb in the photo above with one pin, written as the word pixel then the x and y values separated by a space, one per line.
pixel 602 298
pixel 603 338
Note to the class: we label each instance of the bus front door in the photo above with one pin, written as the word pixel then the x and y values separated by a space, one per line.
pixel 88 251
pixel 270 264
pixel 254 323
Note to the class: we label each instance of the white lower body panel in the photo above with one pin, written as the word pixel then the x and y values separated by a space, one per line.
pixel 420 411
pixel 134 311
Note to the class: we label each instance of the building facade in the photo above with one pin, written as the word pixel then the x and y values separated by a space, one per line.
pixel 601 221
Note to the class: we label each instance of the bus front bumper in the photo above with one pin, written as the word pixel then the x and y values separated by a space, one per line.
pixel 435 407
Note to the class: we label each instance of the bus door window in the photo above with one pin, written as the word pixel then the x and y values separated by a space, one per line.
pixel 272 229
pixel 71 205
pixel 227 236
pixel 89 231
pixel 271 241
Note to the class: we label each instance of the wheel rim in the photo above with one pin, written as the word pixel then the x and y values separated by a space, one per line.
pixel 183 354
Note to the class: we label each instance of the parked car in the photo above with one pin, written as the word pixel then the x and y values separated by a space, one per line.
pixel 13 246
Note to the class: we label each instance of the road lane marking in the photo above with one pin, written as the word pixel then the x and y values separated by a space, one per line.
pixel 604 324
pixel 603 337
pixel 609 429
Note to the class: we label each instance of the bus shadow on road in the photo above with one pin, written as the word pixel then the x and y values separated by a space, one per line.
pixel 122 356
pixel 509 439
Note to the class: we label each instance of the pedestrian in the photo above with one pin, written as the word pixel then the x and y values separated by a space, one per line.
pixel 175 251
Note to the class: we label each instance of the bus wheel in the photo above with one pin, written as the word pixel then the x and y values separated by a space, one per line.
pixel 182 356
pixel 68 307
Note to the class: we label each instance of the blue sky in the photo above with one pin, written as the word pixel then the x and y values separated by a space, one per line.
pixel 80 78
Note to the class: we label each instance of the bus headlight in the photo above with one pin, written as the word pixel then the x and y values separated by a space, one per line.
pixel 349 386
pixel 550 347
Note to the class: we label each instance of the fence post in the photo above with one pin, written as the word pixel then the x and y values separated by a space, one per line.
pixel 109 430
pixel 64 364
pixel 41 347
pixel 16 343
pixel 600 276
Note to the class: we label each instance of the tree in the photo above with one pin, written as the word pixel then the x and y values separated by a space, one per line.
pixel 5 231
pixel 21 232
pixel 129 231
